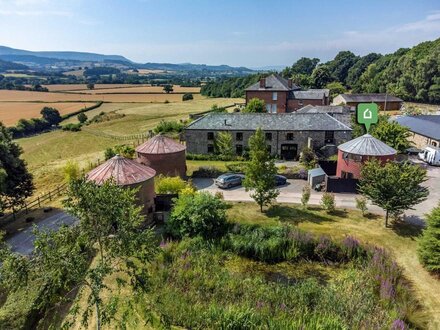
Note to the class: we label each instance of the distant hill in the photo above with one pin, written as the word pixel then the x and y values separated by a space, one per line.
pixel 5 65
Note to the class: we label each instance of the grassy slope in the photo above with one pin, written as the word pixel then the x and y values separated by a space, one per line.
pixel 402 242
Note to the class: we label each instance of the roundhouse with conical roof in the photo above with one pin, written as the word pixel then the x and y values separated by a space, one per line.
pixel 127 173
pixel 165 155
pixel 352 154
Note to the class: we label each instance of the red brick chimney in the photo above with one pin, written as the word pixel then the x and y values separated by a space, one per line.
pixel 289 83
pixel 263 83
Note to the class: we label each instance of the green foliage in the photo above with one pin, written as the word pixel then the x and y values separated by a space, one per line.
pixel 200 214
pixel 187 97
pixel 170 184
pixel 216 108
pixel 341 64
pixel 255 105
pixel 190 156
pixel 168 88
pixel 71 171
pixel 328 202
pixel 361 204
pixel 236 167
pixel 429 244
pixel 171 126
pixel 393 134
pixel 321 76
pixel 72 127
pixel 305 197
pixel 123 150
pixel 260 172
pixel 304 66
pixel 90 86
pixel 355 72
pixel 392 186
pixel 223 145
pixel 51 115
pixel 15 180
pixel 82 117
pixel 229 87
pixel 335 88
pixel 308 158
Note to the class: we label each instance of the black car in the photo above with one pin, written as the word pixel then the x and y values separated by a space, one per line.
pixel 229 180
pixel 280 180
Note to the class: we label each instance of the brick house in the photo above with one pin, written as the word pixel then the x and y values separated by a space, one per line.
pixel 286 134
pixel 281 95
pixel 384 101
pixel 425 129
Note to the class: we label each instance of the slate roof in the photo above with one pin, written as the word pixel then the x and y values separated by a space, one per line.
pixel 373 97
pixel 273 83
pixel 310 94
pixel 268 122
pixel 122 170
pixel 426 125
pixel 366 145
pixel 324 109
pixel 160 144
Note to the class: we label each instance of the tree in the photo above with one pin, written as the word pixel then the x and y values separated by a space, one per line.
pixel 328 202
pixel 51 115
pixel 308 158
pixel 303 66
pixel 168 88
pixel 392 186
pixel 82 117
pixel 255 105
pixel 71 171
pixel 260 171
pixel 361 204
pixel 91 86
pixel 429 244
pixel 393 134
pixel 321 76
pixel 16 181
pixel 341 64
pixel 169 184
pixel 335 88
pixel 223 144
pixel 123 150
pixel 305 197
pixel 187 97
pixel 199 214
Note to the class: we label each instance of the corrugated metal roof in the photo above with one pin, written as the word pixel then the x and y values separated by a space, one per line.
pixel 122 170
pixel 372 97
pixel 367 145
pixel 426 125
pixel 275 83
pixel 160 144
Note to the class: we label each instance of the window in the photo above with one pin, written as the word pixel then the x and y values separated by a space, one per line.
pixel 210 148
pixel 239 149
pixel 210 136
pixel 289 136
pixel 329 137
pixel 274 108
pixel 346 175
pixel 274 96
pixel 268 108
pixel 239 136
pixel 268 136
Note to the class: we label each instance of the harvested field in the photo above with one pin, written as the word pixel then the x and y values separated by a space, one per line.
pixel 11 112
pixel 140 89
pixel 78 87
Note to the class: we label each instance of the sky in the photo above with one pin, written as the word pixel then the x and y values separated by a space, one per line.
pixel 251 33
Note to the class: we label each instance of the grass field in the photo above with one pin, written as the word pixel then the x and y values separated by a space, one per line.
pixel 11 112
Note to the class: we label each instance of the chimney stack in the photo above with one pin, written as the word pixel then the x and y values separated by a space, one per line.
pixel 263 83
pixel 289 83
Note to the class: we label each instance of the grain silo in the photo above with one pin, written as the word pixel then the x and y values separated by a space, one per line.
pixel 165 155
pixel 128 173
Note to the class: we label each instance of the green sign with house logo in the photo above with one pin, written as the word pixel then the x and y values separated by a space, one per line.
pixel 367 114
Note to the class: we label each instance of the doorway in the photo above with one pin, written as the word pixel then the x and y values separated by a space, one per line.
pixel 289 151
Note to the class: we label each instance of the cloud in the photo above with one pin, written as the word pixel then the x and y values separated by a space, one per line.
pixel 35 13
pixel 431 23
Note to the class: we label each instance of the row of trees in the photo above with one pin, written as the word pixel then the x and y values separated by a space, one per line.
pixel 412 74
pixel 49 117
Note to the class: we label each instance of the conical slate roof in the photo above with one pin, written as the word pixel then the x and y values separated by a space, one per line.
pixel 160 144
pixel 366 145
pixel 122 170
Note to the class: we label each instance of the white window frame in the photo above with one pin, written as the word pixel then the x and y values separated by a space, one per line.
pixel 268 108
pixel 274 96
pixel 274 108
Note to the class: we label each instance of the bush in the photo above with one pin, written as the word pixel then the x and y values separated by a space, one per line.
pixel 207 172
pixel 82 117
pixel 328 202
pixel 122 150
pixel 71 171
pixel 187 97
pixel 201 214
pixel 429 245
pixel 216 108
pixel 361 204
pixel 190 156
pixel 72 127
pixel 306 191
pixel 169 185
pixel 308 158
pixel 171 126
pixel 236 167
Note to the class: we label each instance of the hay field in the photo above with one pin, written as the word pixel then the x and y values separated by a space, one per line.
pixel 139 89
pixel 83 87
pixel 11 112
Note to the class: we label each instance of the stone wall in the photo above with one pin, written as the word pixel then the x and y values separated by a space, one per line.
pixel 421 141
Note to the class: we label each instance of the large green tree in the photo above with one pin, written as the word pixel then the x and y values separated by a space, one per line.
pixel 341 64
pixel 255 105
pixel 303 66
pixel 321 76
pixel 223 145
pixel 51 115
pixel 260 171
pixel 15 181
pixel 395 187
pixel 392 133
pixel 429 244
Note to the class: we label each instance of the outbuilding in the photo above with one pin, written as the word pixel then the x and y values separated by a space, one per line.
pixel 165 155
pixel 127 173
pixel 315 176
pixel 352 154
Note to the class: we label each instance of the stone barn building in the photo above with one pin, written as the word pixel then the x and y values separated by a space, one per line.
pixel 286 134
pixel 128 173
pixel 385 102
pixel 425 129
pixel 165 155
pixel 281 95
pixel 352 154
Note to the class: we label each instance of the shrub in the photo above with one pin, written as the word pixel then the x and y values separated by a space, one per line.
pixel 361 204
pixel 201 214
pixel 82 117
pixel 169 185
pixel 429 245
pixel 123 150
pixel 216 108
pixel 187 97
pixel 207 172
pixel 305 197
pixel 328 202
pixel 236 167
pixel 71 171
pixel 190 156
pixel 171 126
pixel 72 127
pixel 308 158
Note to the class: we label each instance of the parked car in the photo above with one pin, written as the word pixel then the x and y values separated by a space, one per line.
pixel 280 180
pixel 229 180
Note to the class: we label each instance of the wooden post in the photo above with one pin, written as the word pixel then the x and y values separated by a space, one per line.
pixel 38 200
pixel 26 208
pixel 50 197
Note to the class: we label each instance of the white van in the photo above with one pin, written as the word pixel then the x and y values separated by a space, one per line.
pixel 430 155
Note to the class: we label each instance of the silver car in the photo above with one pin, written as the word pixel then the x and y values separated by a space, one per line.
pixel 229 180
